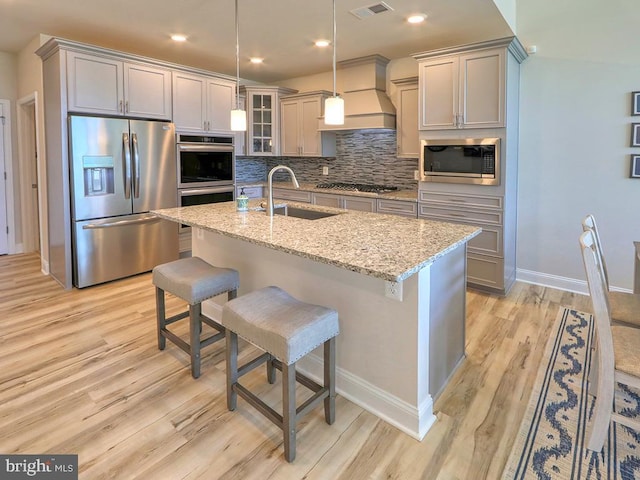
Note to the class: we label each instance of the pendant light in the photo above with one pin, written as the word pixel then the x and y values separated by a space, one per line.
pixel 334 106
pixel 238 116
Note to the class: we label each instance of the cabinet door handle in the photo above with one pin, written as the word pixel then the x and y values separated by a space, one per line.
pixel 120 109
pixel 126 106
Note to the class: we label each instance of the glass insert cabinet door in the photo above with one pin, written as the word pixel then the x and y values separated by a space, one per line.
pixel 262 113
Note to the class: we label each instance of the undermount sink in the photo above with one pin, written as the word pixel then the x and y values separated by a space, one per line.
pixel 302 213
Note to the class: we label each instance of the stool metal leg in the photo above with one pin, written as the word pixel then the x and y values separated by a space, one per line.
pixel 194 329
pixel 160 317
pixel 232 368
pixel 330 380
pixel 289 410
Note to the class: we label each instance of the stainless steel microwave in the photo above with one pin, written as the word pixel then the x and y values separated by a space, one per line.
pixel 461 160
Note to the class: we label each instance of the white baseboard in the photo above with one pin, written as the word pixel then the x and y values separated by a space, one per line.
pixel 553 281
pixel 561 283
pixel 389 408
pixel 44 266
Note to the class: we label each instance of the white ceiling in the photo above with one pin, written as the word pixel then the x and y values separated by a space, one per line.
pixel 280 31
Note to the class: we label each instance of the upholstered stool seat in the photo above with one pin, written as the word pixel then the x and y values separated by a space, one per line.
pixel 286 329
pixel 193 280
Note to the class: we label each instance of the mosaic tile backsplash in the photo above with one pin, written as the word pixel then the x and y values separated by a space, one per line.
pixel 362 156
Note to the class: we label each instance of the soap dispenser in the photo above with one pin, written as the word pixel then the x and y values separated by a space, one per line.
pixel 242 201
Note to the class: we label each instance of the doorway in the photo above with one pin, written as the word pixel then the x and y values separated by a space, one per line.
pixel 29 173
pixel 5 160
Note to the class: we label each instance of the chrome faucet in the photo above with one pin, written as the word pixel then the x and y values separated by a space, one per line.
pixel 269 208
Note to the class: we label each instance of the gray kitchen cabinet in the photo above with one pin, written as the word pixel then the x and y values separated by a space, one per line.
pixel 202 103
pixel 475 87
pixel 349 202
pixel 362 204
pixel 464 87
pixel 103 84
pixel 296 195
pixel 407 117
pixel 327 200
pixel 485 252
pixel 299 134
pixel 405 208
pixel 263 119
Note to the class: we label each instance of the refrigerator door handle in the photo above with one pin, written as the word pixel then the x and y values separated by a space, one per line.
pixel 126 159
pixel 122 223
pixel 136 166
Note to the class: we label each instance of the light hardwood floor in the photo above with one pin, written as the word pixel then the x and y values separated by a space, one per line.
pixel 80 372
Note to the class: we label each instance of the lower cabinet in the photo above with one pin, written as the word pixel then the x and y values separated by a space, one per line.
pixel 398 207
pixel 293 195
pixel 406 208
pixel 485 252
pixel 362 204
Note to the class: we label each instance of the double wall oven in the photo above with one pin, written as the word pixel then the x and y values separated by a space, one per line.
pixel 206 169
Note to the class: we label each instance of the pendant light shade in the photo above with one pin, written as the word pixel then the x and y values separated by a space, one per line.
pixel 334 106
pixel 238 120
pixel 334 111
pixel 238 116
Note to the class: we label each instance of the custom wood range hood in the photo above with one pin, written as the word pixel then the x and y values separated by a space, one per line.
pixel 366 104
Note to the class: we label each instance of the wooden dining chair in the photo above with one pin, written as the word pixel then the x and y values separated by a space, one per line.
pixel 625 307
pixel 618 347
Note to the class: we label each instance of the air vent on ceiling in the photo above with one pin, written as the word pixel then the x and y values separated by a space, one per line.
pixel 369 10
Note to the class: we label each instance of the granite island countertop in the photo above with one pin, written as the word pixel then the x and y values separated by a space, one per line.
pixel 405 195
pixel 384 246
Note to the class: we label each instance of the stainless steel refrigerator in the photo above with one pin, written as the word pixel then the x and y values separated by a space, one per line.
pixel 120 169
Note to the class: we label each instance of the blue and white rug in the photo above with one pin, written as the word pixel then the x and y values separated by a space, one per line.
pixel 552 441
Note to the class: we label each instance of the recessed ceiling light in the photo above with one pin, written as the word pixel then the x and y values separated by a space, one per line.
pixel 417 18
pixel 178 38
pixel 322 43
pixel 256 60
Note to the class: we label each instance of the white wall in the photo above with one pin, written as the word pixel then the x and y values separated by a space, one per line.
pixel 575 136
pixel 9 91
pixel 29 71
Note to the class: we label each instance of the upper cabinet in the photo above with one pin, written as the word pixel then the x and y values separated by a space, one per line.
pixel 407 117
pixel 263 119
pixel 465 87
pixel 462 91
pixel 299 134
pixel 106 85
pixel 201 103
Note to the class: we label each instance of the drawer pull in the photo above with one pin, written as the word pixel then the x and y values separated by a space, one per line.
pixel 458 215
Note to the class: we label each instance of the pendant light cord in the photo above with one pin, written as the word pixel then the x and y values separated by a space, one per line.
pixel 238 59
pixel 334 47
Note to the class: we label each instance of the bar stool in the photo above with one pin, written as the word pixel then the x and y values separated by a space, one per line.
pixel 286 329
pixel 193 280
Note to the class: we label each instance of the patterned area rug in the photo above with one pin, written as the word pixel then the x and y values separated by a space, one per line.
pixel 552 441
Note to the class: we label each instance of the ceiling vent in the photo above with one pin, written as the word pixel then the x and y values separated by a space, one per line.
pixel 376 8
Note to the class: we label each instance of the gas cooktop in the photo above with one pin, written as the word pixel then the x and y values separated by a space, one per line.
pixel 357 187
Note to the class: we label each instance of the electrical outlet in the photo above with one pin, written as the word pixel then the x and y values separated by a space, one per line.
pixel 199 233
pixel 393 290
pixel 416 174
pixel 325 170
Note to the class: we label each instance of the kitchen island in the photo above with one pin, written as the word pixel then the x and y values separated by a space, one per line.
pixel 398 285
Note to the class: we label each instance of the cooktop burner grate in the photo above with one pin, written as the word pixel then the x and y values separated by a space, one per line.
pixel 357 187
